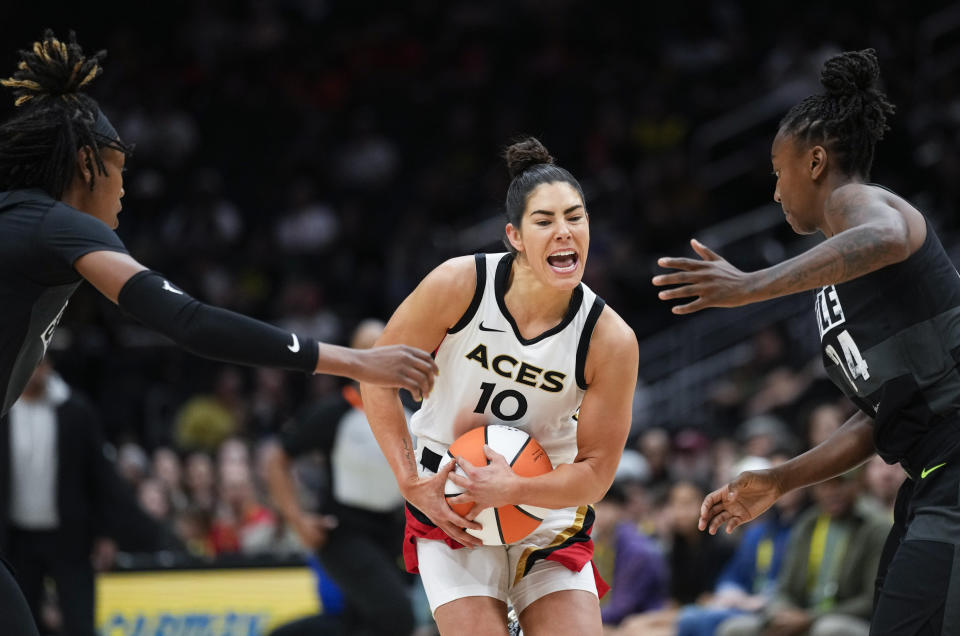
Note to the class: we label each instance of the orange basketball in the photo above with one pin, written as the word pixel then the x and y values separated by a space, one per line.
pixel 506 524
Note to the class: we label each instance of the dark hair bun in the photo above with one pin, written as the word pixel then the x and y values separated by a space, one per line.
pixel 850 73
pixel 53 68
pixel 524 154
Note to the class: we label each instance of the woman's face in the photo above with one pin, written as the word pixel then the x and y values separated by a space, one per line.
pixel 554 234
pixel 795 190
pixel 103 201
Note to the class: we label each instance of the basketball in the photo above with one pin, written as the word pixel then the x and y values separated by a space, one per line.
pixel 506 524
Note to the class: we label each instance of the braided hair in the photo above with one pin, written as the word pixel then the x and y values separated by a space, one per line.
pixel 530 164
pixel 55 118
pixel 850 117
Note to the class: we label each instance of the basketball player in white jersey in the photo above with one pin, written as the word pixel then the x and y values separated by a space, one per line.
pixel 519 340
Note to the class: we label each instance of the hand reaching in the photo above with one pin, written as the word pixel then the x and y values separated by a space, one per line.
pixel 713 280
pixel 745 498
pixel 398 366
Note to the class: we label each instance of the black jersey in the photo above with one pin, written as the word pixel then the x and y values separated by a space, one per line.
pixel 40 239
pixel 891 342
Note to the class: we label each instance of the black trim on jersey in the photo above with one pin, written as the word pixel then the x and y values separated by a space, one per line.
pixel 585 337
pixel 481 262
pixel 431 460
pixel 500 290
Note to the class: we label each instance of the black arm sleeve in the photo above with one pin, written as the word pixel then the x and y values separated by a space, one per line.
pixel 212 332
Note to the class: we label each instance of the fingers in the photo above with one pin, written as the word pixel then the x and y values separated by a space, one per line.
pixel 492 455
pixel 708 507
pixel 705 252
pixel 676 278
pixel 673 262
pixel 461 536
pixel 690 308
pixel 684 291
pixel 718 521
pixel 466 466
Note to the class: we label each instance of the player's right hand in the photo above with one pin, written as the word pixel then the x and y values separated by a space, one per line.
pixel 426 495
pixel 745 498
pixel 313 529
pixel 398 366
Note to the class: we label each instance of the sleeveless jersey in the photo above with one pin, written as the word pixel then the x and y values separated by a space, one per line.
pixel 487 367
pixel 40 239
pixel 891 342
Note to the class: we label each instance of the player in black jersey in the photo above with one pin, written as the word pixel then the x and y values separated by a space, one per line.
pixel 61 165
pixel 888 308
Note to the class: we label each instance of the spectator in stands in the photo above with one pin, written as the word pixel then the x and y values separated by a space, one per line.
pixel 242 524
pixel 748 580
pixel 826 584
pixel 631 562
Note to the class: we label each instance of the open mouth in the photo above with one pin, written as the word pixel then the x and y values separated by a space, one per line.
pixel 563 261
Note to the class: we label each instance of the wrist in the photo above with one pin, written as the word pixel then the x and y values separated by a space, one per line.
pixel 781 479
pixel 754 287
pixel 335 360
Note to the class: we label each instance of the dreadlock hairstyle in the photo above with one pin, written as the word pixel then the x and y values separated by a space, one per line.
pixel 39 145
pixel 850 118
pixel 529 164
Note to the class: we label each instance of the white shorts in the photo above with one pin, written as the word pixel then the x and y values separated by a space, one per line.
pixel 489 570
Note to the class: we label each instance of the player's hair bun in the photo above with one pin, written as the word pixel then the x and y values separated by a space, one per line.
pixel 852 79
pixel 53 68
pixel 850 73
pixel 525 153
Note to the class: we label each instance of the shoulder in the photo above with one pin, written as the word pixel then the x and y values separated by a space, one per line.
pixel 613 334
pixel 448 290
pixel 454 274
pixel 857 203
pixel 613 352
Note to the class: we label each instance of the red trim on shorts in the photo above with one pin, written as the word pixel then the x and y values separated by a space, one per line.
pixel 573 554
pixel 420 529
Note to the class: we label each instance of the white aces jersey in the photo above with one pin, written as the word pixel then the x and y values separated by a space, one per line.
pixel 487 367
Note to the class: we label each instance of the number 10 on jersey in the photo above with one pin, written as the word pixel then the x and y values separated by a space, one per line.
pixel 508 405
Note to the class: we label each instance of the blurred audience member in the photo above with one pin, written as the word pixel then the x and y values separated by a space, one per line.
pixel 631 562
pixel 827 582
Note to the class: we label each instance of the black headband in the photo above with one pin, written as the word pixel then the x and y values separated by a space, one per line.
pixel 103 128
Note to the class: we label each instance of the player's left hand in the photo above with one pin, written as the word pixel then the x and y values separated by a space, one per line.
pixel 713 280
pixel 486 486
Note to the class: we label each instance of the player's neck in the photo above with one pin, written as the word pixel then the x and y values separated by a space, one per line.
pixel 530 302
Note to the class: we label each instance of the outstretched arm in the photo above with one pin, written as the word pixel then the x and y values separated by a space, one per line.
pixel 752 492
pixel 220 334
pixel 869 234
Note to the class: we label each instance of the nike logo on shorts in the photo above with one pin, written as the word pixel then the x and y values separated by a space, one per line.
pixel 295 347
pixel 482 328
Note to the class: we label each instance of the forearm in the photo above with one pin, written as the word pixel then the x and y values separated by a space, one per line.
pixel 280 482
pixel 566 486
pixel 213 332
pixel 385 415
pixel 851 445
pixel 842 257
